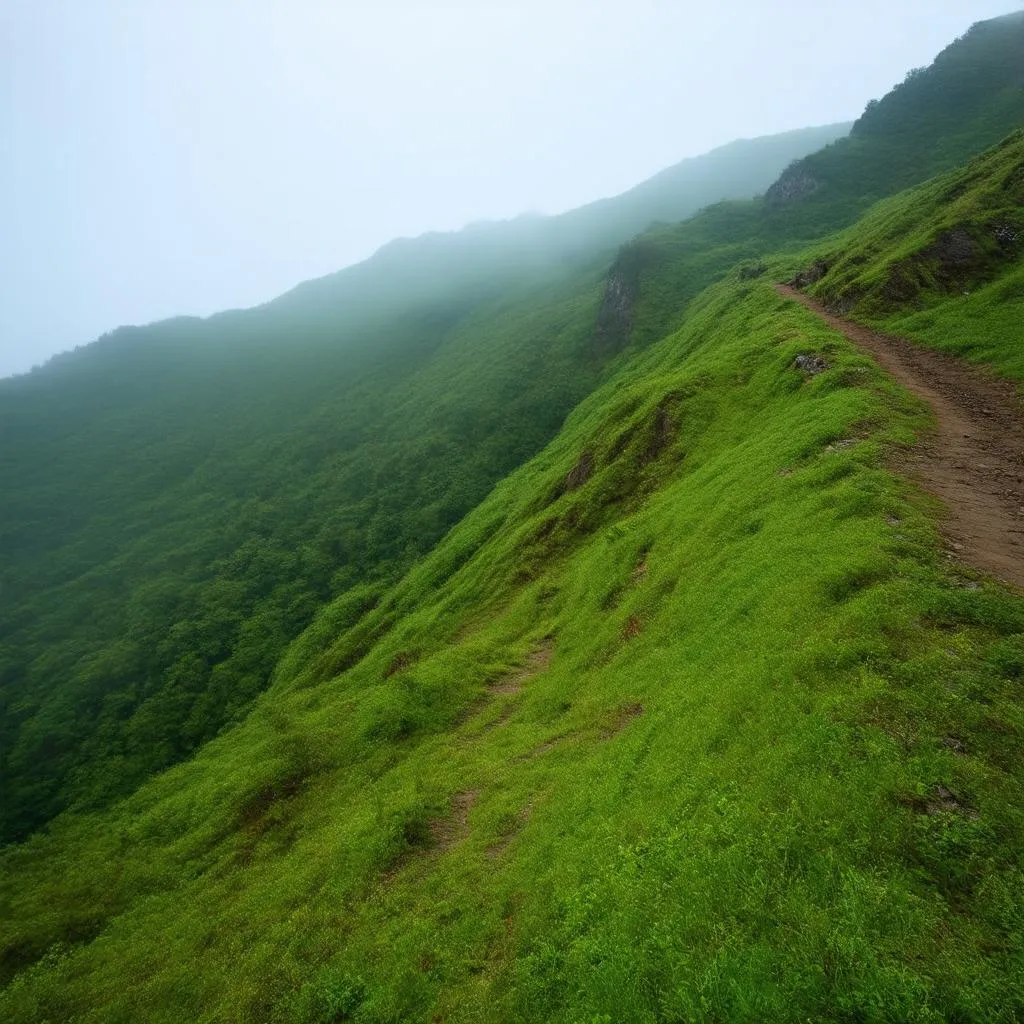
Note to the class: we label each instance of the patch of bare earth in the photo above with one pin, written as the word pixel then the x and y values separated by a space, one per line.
pixel 974 460
pixel 511 684
pixel 446 832
pixel 536 663
pixel 442 834
pixel 622 717
pixel 941 800
pixel 543 748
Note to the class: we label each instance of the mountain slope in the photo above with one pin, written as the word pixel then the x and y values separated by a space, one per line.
pixel 691 717
pixel 959 236
pixel 180 498
pixel 684 721
pixel 969 98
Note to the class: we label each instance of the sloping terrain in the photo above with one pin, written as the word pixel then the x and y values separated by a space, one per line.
pixel 691 718
pixel 182 499
pixel 975 459
pixel 960 237
pixel 695 715
pixel 968 99
pixel 179 499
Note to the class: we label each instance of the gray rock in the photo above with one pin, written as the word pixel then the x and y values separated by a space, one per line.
pixel 811 364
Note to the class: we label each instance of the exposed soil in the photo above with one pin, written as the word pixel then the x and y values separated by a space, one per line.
pixel 622 717
pixel 632 628
pixel 580 473
pixel 498 847
pixel 537 662
pixel 974 461
pixel 543 748
pixel 446 832
pixel 512 683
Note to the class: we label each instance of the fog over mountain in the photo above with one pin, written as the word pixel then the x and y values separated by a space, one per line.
pixel 162 159
pixel 601 603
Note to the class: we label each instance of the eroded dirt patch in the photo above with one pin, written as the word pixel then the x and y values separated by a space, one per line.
pixel 498 847
pixel 454 827
pixel 621 718
pixel 537 662
pixel 974 461
pixel 941 800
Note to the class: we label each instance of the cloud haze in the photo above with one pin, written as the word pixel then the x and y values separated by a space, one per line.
pixel 164 158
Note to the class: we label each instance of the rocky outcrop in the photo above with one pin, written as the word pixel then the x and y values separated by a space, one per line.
pixel 810 364
pixel 812 275
pixel 795 182
pixel 615 317
pixel 1006 234
pixel 956 251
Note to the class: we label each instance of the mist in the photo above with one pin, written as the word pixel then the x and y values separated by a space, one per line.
pixel 162 159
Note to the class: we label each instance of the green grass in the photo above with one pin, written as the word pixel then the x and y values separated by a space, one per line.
pixel 181 499
pixel 763 761
pixel 754 845
pixel 943 263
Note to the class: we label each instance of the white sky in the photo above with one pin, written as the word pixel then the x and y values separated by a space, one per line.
pixel 160 157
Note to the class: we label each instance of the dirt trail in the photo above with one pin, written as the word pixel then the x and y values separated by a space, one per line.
pixel 974 461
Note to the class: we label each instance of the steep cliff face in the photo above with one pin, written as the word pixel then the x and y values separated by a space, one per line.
pixel 615 317
pixel 795 182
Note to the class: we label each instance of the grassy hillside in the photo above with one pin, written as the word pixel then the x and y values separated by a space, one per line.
pixel 182 498
pixel 687 720
pixel 944 265
pixel 178 519
pixel 969 99
pixel 179 499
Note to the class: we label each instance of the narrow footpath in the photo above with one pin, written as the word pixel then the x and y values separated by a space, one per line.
pixel 974 461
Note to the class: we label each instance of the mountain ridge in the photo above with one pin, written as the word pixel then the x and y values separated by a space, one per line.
pixel 596 663
pixel 675 694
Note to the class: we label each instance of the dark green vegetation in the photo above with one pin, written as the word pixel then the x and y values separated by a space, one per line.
pixel 689 719
pixel 958 238
pixel 968 99
pixel 179 499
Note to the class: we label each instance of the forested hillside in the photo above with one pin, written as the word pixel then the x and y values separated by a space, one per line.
pixel 586 650
pixel 685 720
pixel 968 99
pixel 180 498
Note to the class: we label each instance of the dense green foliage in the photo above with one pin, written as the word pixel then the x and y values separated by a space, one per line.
pixel 690 718
pixel 960 236
pixel 967 100
pixel 211 517
pixel 721 799
pixel 179 499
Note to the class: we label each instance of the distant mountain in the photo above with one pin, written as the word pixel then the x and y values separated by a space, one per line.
pixel 438 262
pixel 967 100
pixel 730 172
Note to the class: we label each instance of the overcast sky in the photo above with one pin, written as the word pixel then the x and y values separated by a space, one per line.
pixel 160 157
